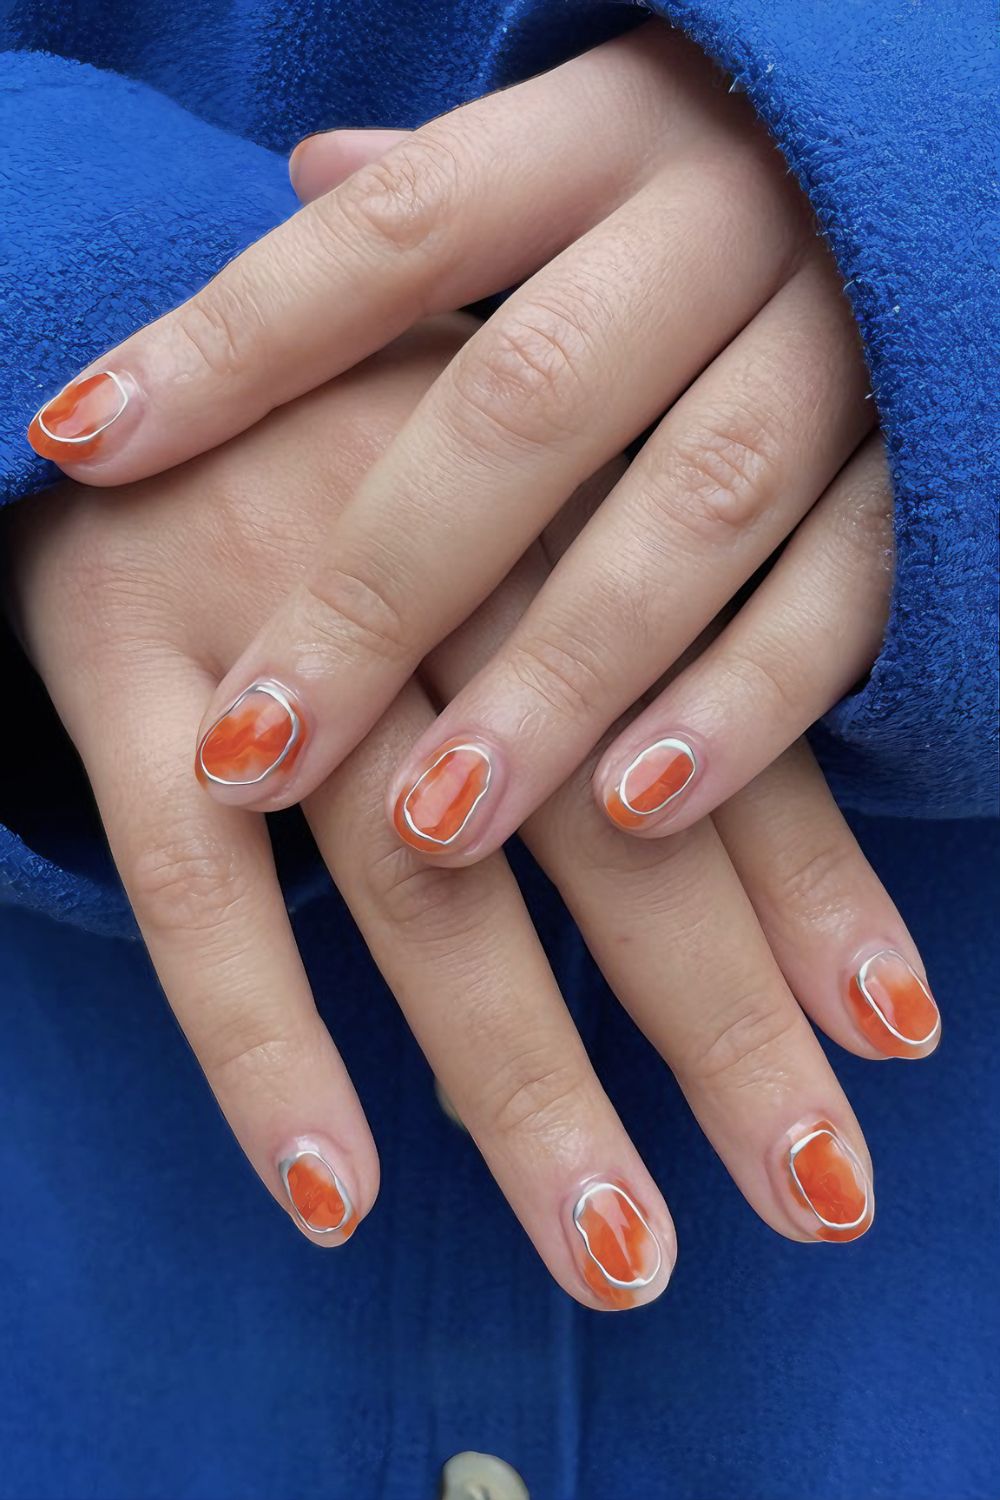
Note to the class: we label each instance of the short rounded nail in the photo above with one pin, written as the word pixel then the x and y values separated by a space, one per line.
pixel 436 809
pixel 892 1006
pixel 828 1183
pixel 614 1247
pixel 316 1194
pixel 651 783
pixel 259 737
pixel 76 424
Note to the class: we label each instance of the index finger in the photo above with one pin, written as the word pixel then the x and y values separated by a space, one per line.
pixel 448 216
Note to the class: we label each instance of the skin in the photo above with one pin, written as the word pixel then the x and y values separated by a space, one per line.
pixel 130 611
pixel 731 322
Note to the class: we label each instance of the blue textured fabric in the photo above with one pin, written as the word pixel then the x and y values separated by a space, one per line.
pixel 166 1335
pixel 163 1335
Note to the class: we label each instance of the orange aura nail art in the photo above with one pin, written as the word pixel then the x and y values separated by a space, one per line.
pixel 436 807
pixel 650 783
pixel 616 1250
pixel 828 1178
pixel 892 1005
pixel 262 732
pixel 319 1199
pixel 72 424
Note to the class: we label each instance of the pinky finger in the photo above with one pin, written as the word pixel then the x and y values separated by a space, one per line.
pixel 203 887
pixel 836 934
pixel 805 637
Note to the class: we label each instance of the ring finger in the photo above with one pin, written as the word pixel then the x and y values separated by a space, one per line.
pixel 461 956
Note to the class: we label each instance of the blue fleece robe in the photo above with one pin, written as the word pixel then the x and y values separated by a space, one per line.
pixel 163 1334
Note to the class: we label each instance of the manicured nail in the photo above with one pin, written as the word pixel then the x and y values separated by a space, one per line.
pixel 617 1252
pixel 319 1200
pixel 72 425
pixel 262 733
pixel 434 811
pixel 892 1005
pixel 650 783
pixel 829 1179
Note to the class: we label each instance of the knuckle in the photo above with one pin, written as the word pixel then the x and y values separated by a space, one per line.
pixel 404 201
pixel 524 375
pixel 422 901
pixel 350 611
pixel 746 1043
pixel 773 678
pixel 223 328
pixel 186 885
pixel 233 1052
pixel 533 1094
pixel 717 480
pixel 814 885
pixel 562 676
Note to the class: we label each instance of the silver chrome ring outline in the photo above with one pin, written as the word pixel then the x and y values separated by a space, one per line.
pixel 866 994
pixel 450 750
pixel 283 698
pixel 286 1166
pixel 793 1153
pixel 89 436
pixel 684 748
pixel 611 1187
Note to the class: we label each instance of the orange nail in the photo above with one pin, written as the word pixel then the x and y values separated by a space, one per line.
pixel 617 1251
pixel 829 1179
pixel 72 424
pixel 318 1197
pixel 651 782
pixel 892 1005
pixel 262 732
pixel 435 809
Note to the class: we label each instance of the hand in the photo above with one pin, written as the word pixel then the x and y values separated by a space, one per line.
pixel 129 608
pixel 670 264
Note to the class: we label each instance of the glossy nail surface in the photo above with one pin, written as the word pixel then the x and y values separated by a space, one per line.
pixel 318 1198
pixel 435 810
pixel 892 1005
pixel 651 782
pixel 829 1179
pixel 617 1252
pixel 261 734
pixel 72 425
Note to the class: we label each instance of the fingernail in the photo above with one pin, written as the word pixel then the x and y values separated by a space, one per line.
pixel 260 734
pixel 617 1252
pixel 73 424
pixel 320 1202
pixel 434 811
pixel 651 782
pixel 892 1005
pixel 827 1177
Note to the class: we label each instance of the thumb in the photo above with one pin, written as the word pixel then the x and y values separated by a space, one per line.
pixel 322 162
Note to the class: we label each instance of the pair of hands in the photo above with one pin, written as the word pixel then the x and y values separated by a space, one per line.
pixel 719 939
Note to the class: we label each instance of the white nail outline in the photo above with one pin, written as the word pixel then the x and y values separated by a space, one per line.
pixel 581 1203
pixel 443 755
pixel 285 1166
pixel 672 744
pixel 799 1146
pixel 282 697
pixel 861 977
pixel 87 437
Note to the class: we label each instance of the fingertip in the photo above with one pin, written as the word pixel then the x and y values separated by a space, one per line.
pixel 322 161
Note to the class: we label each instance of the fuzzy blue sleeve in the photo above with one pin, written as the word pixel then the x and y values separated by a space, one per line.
pixel 115 204
pixel 888 112
pixel 122 191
